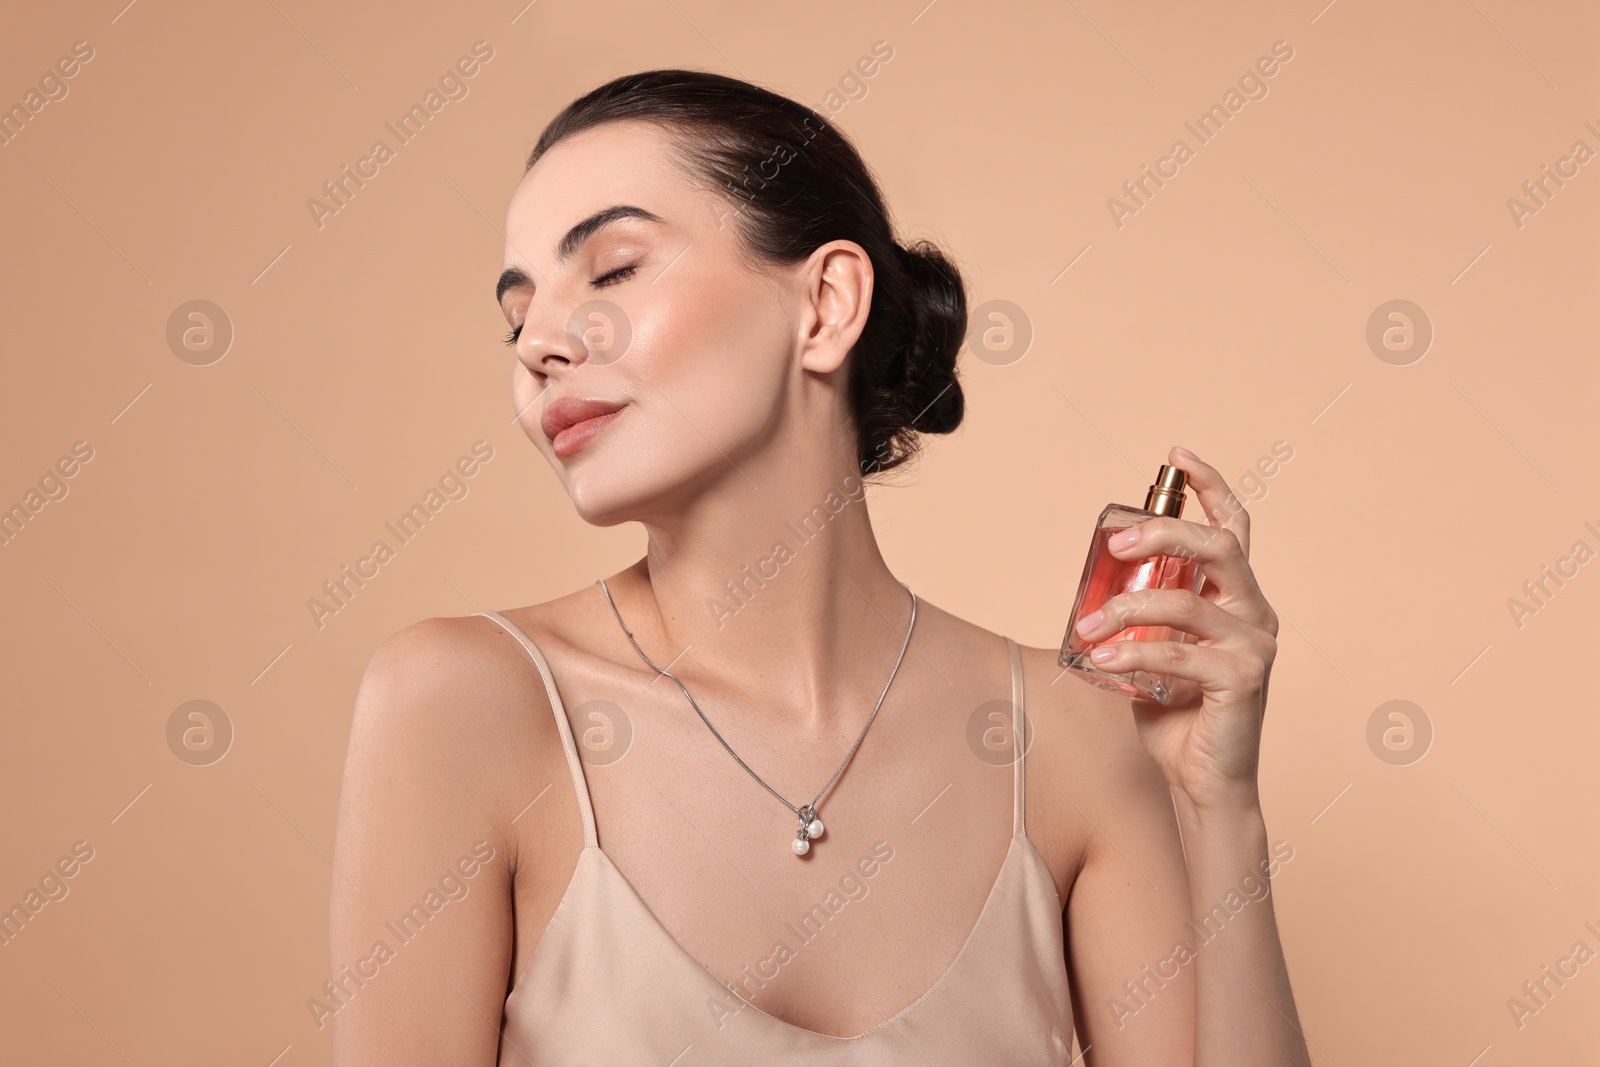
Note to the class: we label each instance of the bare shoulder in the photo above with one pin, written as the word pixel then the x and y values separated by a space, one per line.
pixel 1086 765
pixel 1095 755
pixel 1088 732
pixel 454 679
pixel 452 714
pixel 444 745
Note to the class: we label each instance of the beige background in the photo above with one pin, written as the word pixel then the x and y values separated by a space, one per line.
pixel 1229 313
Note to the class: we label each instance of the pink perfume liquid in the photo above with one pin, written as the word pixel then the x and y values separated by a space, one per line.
pixel 1105 576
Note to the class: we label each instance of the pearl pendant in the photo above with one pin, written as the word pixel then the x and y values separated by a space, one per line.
pixel 810 829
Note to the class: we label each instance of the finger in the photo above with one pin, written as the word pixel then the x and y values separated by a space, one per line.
pixel 1222 508
pixel 1217 550
pixel 1214 669
pixel 1180 609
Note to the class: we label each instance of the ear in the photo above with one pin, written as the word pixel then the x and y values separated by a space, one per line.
pixel 836 298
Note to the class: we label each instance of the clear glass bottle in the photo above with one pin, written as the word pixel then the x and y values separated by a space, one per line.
pixel 1105 576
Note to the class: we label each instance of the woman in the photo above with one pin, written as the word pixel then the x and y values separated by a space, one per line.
pixel 751 800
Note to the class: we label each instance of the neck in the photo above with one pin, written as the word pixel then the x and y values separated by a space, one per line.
pixel 769 590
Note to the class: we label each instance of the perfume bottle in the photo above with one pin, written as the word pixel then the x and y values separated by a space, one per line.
pixel 1105 576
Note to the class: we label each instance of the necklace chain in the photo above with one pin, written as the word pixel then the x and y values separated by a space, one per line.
pixel 808 812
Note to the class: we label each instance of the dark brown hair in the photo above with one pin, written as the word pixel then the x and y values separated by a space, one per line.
pixel 800 183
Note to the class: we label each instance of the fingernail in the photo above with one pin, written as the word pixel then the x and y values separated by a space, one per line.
pixel 1184 451
pixel 1089 622
pixel 1125 538
pixel 1103 653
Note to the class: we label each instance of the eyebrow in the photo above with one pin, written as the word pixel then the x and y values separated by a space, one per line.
pixel 572 241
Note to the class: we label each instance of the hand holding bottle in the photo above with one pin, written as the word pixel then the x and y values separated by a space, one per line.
pixel 1207 736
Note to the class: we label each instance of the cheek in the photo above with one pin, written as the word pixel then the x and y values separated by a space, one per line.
pixel 707 366
pixel 720 360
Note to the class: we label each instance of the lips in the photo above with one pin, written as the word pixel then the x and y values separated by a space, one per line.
pixel 571 421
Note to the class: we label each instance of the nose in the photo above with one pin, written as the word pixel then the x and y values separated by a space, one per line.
pixel 547 342
pixel 596 331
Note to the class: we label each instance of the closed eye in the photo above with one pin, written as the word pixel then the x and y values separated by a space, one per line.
pixel 614 276
pixel 607 279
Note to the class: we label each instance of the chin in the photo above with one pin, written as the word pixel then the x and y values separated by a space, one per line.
pixel 627 484
pixel 600 497
pixel 606 513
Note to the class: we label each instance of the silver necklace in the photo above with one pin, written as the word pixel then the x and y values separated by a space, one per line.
pixel 810 825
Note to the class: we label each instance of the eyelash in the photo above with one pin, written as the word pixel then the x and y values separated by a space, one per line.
pixel 599 283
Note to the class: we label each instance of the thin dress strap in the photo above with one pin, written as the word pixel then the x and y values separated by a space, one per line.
pixel 574 762
pixel 1019 725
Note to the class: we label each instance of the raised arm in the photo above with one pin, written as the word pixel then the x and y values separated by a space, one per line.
pixel 1197 773
pixel 420 919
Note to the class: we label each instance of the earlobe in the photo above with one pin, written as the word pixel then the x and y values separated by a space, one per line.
pixel 839 287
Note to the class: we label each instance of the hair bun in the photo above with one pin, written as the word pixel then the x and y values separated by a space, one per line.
pixel 904 374
pixel 938 316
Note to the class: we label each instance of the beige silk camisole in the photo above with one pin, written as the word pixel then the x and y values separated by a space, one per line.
pixel 608 986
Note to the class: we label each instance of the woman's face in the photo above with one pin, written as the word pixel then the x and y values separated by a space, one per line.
pixel 659 317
